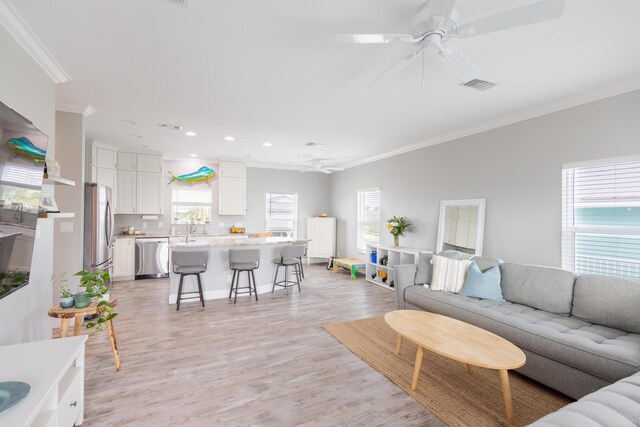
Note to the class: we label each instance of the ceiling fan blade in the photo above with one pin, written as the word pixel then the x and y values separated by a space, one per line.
pixel 530 14
pixel 399 66
pixel 459 62
pixel 325 171
pixel 372 38
pixel 334 169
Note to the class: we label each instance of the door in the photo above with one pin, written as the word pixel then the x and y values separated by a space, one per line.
pixel 149 163
pixel 106 158
pixel 109 178
pixel 232 196
pixel 149 193
pixel 126 162
pixel 127 192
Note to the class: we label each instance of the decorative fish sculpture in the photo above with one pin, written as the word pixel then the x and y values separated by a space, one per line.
pixel 25 148
pixel 203 174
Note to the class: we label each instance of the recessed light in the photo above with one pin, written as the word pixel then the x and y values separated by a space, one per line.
pixel 267 144
pixel 136 136
pixel 144 146
pixel 229 138
pixel 193 155
pixel 128 122
pixel 314 144
pixel 190 133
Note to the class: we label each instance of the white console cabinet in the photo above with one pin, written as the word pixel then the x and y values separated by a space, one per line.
pixel 321 232
pixel 55 371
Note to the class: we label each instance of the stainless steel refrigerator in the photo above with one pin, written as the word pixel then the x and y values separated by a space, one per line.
pixel 98 227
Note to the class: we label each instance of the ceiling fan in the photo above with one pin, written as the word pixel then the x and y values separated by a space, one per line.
pixel 436 22
pixel 316 166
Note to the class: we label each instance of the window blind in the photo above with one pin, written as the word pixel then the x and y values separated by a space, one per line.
pixel 191 195
pixel 22 176
pixel 282 214
pixel 368 228
pixel 601 219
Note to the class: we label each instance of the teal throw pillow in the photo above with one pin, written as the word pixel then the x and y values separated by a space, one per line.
pixel 482 285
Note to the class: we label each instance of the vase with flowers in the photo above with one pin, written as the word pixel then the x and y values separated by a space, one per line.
pixel 398 226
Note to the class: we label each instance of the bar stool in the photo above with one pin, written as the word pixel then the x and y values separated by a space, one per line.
pixel 289 257
pixel 304 243
pixel 189 262
pixel 243 260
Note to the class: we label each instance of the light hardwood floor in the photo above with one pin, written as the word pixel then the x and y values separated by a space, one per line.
pixel 265 363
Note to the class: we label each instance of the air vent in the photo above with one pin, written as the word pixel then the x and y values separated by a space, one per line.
pixel 314 144
pixel 169 126
pixel 184 3
pixel 479 84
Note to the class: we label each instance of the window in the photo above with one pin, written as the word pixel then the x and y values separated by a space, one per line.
pixel 282 214
pixel 368 218
pixel 601 219
pixel 191 204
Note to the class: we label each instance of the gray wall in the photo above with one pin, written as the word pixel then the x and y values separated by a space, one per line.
pixel 28 90
pixel 70 154
pixel 517 168
pixel 313 197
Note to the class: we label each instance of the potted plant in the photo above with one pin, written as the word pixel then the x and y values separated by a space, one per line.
pixel 95 287
pixel 67 300
pixel 398 226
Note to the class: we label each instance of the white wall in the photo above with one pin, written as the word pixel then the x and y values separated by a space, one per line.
pixel 313 198
pixel 29 91
pixel 71 157
pixel 517 168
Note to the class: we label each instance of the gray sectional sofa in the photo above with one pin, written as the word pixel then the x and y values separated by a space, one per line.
pixel 579 333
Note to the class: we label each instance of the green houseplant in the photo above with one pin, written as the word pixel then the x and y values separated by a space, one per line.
pixel 398 226
pixel 95 287
pixel 10 281
pixel 67 300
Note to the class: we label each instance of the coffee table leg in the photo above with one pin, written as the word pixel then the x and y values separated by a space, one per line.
pixel 399 344
pixel 416 368
pixel 506 393
pixel 469 369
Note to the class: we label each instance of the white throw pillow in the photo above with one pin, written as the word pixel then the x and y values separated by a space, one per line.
pixel 448 274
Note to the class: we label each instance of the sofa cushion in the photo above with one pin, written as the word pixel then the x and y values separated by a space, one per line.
pixel 485 285
pixel 484 262
pixel 614 405
pixel 608 301
pixel 425 269
pixel 545 288
pixel 604 352
pixel 448 274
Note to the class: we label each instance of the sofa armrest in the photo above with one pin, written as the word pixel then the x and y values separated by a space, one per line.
pixel 404 277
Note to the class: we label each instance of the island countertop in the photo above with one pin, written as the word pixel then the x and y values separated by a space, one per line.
pixel 213 242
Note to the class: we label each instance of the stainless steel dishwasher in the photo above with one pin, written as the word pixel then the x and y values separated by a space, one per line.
pixel 152 257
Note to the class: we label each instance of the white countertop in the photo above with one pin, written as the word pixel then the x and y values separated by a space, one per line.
pixel 246 241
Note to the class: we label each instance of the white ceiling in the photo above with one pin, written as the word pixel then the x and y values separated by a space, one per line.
pixel 268 71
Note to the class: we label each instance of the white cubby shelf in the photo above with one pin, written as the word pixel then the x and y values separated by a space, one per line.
pixel 375 271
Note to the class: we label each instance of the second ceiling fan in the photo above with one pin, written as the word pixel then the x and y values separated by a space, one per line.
pixel 436 22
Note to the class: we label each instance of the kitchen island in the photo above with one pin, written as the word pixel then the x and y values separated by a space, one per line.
pixel 216 281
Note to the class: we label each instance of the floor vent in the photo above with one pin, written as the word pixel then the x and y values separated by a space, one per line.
pixel 478 84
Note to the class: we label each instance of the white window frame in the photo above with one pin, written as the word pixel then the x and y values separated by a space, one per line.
pixel 623 267
pixel 268 195
pixel 209 205
pixel 361 243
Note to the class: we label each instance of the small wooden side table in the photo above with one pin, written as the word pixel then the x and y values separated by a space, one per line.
pixel 66 314
pixel 351 264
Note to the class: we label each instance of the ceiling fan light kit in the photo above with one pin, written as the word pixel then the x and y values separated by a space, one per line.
pixel 436 22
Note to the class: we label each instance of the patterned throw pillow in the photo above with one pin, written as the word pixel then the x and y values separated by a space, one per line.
pixel 448 274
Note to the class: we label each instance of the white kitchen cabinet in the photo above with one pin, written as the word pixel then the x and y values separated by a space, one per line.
pixel 149 193
pixel 322 235
pixel 106 158
pixel 148 163
pixel 232 189
pixel 55 371
pixel 109 177
pixel 124 253
pixel 127 192
pixel 127 161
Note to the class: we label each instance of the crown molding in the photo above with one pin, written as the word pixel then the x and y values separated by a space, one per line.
pixel 78 109
pixel 26 38
pixel 609 92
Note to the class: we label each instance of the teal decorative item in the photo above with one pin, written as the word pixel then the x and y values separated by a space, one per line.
pixel 67 302
pixel 25 148
pixel 12 392
pixel 203 174
pixel 82 300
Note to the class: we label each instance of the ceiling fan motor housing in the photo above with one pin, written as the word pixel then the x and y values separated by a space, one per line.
pixel 431 19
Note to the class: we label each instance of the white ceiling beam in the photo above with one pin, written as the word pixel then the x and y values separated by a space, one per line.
pixel 27 39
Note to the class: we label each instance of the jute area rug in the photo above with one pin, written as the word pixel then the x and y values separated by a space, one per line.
pixel 444 387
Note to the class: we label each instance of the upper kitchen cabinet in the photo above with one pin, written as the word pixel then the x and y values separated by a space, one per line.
pixel 149 193
pixel 106 158
pixel 109 178
pixel 127 195
pixel 232 192
pixel 127 161
pixel 149 163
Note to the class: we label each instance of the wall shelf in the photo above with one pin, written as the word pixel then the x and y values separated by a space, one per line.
pixel 56 215
pixel 395 256
pixel 56 180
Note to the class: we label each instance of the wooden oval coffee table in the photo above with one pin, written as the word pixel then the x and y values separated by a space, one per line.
pixel 459 341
